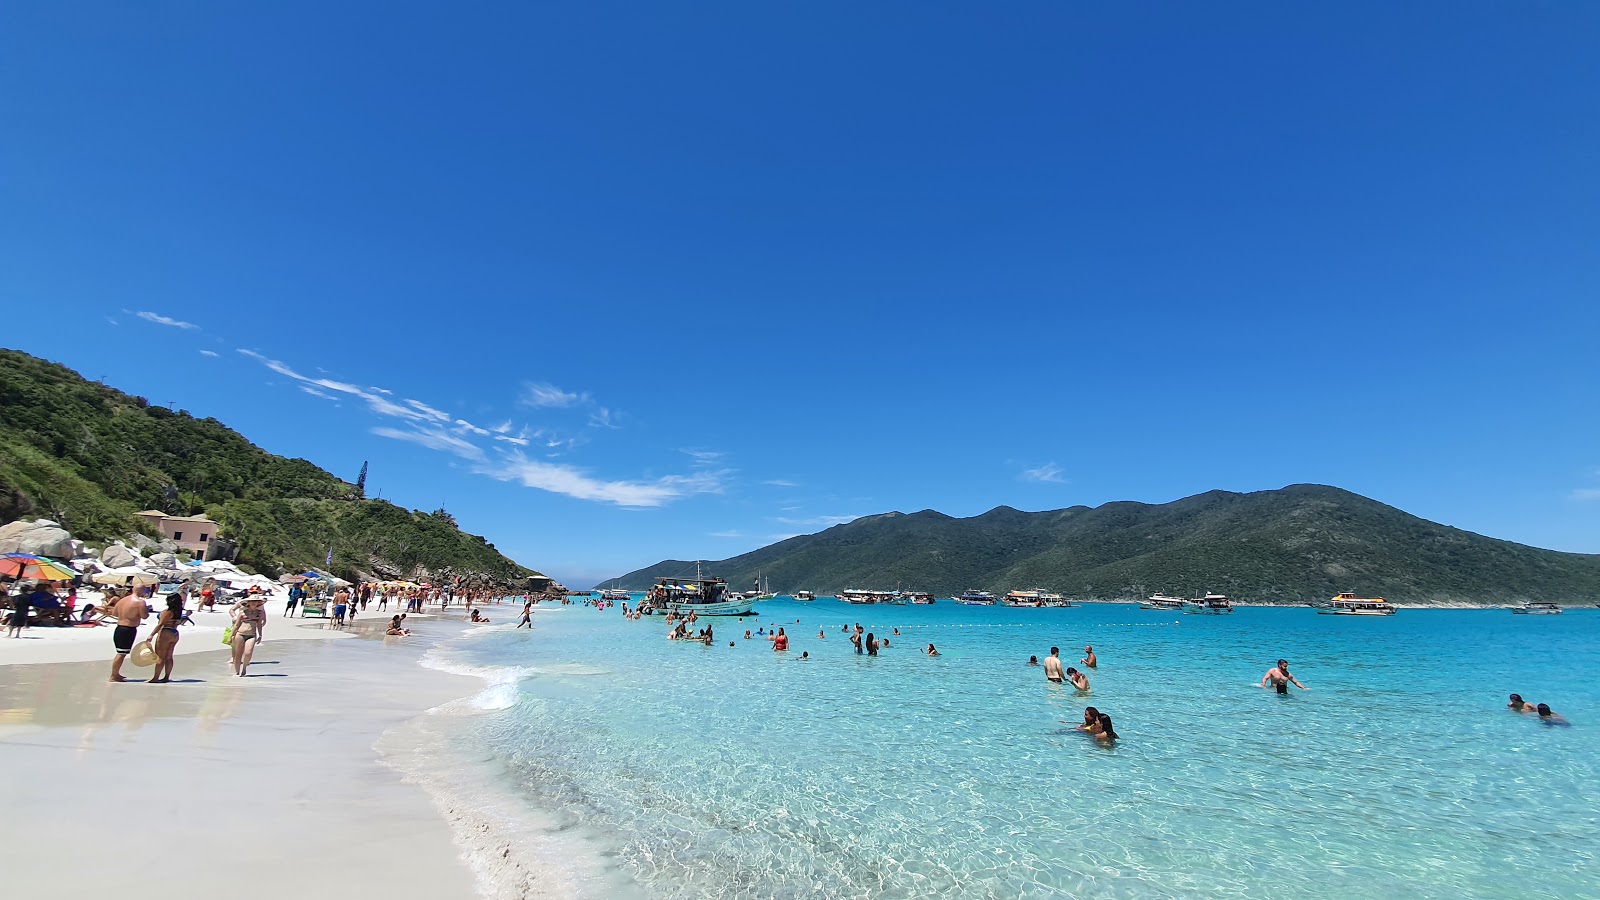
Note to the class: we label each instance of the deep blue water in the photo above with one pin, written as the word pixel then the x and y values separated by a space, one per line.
pixel 739 772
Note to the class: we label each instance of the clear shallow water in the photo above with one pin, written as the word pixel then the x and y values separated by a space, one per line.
pixel 737 772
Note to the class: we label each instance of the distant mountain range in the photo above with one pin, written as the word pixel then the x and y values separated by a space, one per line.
pixel 1301 543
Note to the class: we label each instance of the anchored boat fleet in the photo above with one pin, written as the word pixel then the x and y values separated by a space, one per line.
pixel 708 596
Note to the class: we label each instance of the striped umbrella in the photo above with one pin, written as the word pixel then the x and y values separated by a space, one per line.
pixel 26 565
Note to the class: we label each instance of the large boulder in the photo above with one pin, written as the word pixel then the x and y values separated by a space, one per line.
pixel 164 561
pixel 117 556
pixel 41 538
pixel 168 546
pixel 142 542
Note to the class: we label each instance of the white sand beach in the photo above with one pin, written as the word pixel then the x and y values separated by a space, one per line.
pixel 264 786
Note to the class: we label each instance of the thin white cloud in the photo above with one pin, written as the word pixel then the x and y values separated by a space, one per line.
pixel 603 418
pixel 779 482
pixel 502 428
pixel 378 404
pixel 816 520
pixel 434 439
pixel 545 394
pixel 464 425
pixel 167 321
pixel 1049 473
pixel 573 482
pixel 430 412
pixel 1586 494
pixel 211 353
pixel 379 390
pixel 726 534
pixel 316 393
pixel 703 457
pixel 519 441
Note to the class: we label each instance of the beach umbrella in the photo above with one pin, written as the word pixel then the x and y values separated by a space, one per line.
pixel 293 579
pixel 127 576
pixel 26 565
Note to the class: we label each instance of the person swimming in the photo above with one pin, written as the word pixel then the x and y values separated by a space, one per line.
pixel 1550 718
pixel 1033 660
pixel 805 654
pixel 1106 732
pixel 931 651
pixel 1091 720
pixel 1517 704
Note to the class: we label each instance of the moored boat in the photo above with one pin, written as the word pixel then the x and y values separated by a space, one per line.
pixel 803 596
pixel 1539 608
pixel 616 594
pixel 856 595
pixel 919 598
pixel 702 596
pixel 1023 599
pixel 1162 601
pixel 1347 603
pixel 1055 601
pixel 1210 605
pixel 976 598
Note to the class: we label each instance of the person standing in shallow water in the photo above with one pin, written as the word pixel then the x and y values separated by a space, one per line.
pixel 872 645
pixel 1052 666
pixel 164 640
pixel 1089 659
pixel 1279 677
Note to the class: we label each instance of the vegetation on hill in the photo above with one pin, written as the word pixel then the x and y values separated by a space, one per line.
pixel 89 456
pixel 1301 543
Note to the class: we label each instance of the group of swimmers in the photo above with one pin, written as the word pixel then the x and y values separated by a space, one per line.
pixel 1518 705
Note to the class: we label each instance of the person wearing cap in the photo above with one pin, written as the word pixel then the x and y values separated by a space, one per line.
pixel 1279 677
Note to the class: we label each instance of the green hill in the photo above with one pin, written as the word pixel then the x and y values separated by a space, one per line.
pixel 1303 542
pixel 89 456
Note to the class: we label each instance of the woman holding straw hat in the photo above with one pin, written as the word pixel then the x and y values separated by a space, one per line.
pixel 164 640
pixel 248 626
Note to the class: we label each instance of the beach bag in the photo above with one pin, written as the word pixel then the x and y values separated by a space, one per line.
pixel 143 654
pixel 227 635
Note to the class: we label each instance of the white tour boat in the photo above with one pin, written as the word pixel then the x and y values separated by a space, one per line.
pixel 1210 605
pixel 1537 609
pixel 1162 601
pixel 1348 604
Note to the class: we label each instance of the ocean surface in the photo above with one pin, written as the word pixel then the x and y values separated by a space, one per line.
pixel 661 769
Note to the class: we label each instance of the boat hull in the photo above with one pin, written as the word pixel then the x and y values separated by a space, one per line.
pixel 739 607
pixel 1536 612
pixel 1355 612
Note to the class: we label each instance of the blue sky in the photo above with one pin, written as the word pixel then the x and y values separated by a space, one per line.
pixel 618 282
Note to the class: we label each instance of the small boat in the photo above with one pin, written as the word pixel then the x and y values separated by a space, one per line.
pixel 1537 609
pixel 702 596
pixel 763 590
pixel 1023 599
pixel 616 594
pixel 803 596
pixel 1055 601
pixel 976 598
pixel 858 596
pixel 1162 601
pixel 918 598
pixel 1348 604
pixel 1210 605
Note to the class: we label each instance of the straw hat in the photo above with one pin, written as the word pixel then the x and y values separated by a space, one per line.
pixel 143 655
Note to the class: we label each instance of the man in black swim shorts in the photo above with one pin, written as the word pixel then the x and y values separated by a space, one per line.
pixel 130 612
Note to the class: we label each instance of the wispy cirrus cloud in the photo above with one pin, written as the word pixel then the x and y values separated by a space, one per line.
pixel 316 393
pixel 466 426
pixel 543 394
pixel 726 534
pixel 434 438
pixel 816 520
pixel 168 321
pixel 211 353
pixel 557 478
pixel 779 482
pixel 1586 494
pixel 378 403
pixel 601 417
pixel 1049 473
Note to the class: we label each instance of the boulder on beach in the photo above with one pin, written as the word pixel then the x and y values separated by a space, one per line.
pixel 41 538
pixel 164 561
pixel 142 541
pixel 117 556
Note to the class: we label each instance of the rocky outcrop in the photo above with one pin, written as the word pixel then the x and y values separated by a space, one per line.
pixel 117 556
pixel 164 561
pixel 41 537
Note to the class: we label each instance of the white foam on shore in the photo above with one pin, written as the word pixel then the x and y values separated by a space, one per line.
pixel 515 851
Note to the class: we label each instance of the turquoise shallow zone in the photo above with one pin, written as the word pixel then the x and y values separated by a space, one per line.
pixel 740 772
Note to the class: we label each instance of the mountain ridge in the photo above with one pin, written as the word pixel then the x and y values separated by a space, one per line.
pixel 1294 544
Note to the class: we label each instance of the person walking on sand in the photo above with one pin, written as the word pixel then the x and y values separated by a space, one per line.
pixel 527 616
pixel 130 611
pixel 1279 677
pixel 164 639
pixel 1052 666
pixel 19 611
pixel 248 630
pixel 294 600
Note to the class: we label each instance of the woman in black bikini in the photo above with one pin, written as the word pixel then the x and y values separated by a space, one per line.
pixel 165 639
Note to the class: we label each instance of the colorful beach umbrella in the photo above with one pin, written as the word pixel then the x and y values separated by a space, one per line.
pixel 26 565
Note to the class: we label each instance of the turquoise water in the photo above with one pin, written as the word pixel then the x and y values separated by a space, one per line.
pixel 738 772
